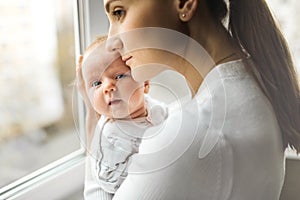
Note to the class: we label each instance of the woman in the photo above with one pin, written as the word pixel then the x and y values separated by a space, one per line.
pixel 245 111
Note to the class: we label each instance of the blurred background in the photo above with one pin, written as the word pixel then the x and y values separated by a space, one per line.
pixel 37 72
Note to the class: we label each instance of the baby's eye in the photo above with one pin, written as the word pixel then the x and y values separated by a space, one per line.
pixel 120 76
pixel 96 83
pixel 118 13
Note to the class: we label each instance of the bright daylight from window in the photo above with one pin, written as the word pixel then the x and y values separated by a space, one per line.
pixel 288 16
pixel 37 70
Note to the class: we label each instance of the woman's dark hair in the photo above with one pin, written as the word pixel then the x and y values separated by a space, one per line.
pixel 251 24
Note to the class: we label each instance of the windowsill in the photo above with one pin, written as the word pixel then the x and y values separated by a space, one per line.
pixel 54 181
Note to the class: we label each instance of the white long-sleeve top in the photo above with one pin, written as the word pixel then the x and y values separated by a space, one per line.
pixel 112 145
pixel 225 144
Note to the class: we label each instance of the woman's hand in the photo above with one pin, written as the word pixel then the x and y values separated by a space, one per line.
pixel 92 116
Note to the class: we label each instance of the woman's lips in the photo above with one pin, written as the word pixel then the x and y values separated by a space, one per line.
pixel 126 59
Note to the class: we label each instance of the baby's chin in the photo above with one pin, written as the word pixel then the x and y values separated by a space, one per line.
pixel 144 72
pixel 118 115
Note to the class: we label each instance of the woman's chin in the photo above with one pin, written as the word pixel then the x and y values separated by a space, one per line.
pixel 147 71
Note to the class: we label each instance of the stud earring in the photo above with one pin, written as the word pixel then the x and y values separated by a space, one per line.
pixel 183 15
pixel 146 89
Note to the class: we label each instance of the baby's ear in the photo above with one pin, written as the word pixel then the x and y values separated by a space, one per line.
pixel 146 87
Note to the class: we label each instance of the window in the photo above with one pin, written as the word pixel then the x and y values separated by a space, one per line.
pixel 288 16
pixel 37 70
pixel 40 157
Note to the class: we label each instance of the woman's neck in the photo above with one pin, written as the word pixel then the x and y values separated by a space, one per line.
pixel 215 39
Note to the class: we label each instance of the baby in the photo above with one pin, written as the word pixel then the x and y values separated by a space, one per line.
pixel 126 112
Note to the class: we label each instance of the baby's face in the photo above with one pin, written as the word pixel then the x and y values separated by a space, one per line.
pixel 109 84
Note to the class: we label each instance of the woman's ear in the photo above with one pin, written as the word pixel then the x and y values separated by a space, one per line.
pixel 186 9
pixel 146 87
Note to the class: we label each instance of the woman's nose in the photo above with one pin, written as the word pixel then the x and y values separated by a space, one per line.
pixel 114 43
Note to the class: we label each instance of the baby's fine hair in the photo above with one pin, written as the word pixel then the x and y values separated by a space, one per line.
pixel 97 41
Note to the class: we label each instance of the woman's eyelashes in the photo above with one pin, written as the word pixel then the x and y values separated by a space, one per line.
pixel 118 13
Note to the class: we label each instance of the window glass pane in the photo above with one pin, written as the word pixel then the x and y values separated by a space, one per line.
pixel 37 71
pixel 288 16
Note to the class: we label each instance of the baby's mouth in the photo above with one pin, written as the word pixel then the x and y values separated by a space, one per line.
pixel 114 102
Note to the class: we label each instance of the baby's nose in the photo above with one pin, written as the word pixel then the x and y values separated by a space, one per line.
pixel 109 87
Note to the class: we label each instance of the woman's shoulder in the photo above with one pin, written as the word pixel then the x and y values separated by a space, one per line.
pixel 228 70
pixel 233 80
pixel 234 101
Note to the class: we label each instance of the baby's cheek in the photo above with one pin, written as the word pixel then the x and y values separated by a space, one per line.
pixel 90 95
pixel 97 99
pixel 137 96
pixel 127 88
